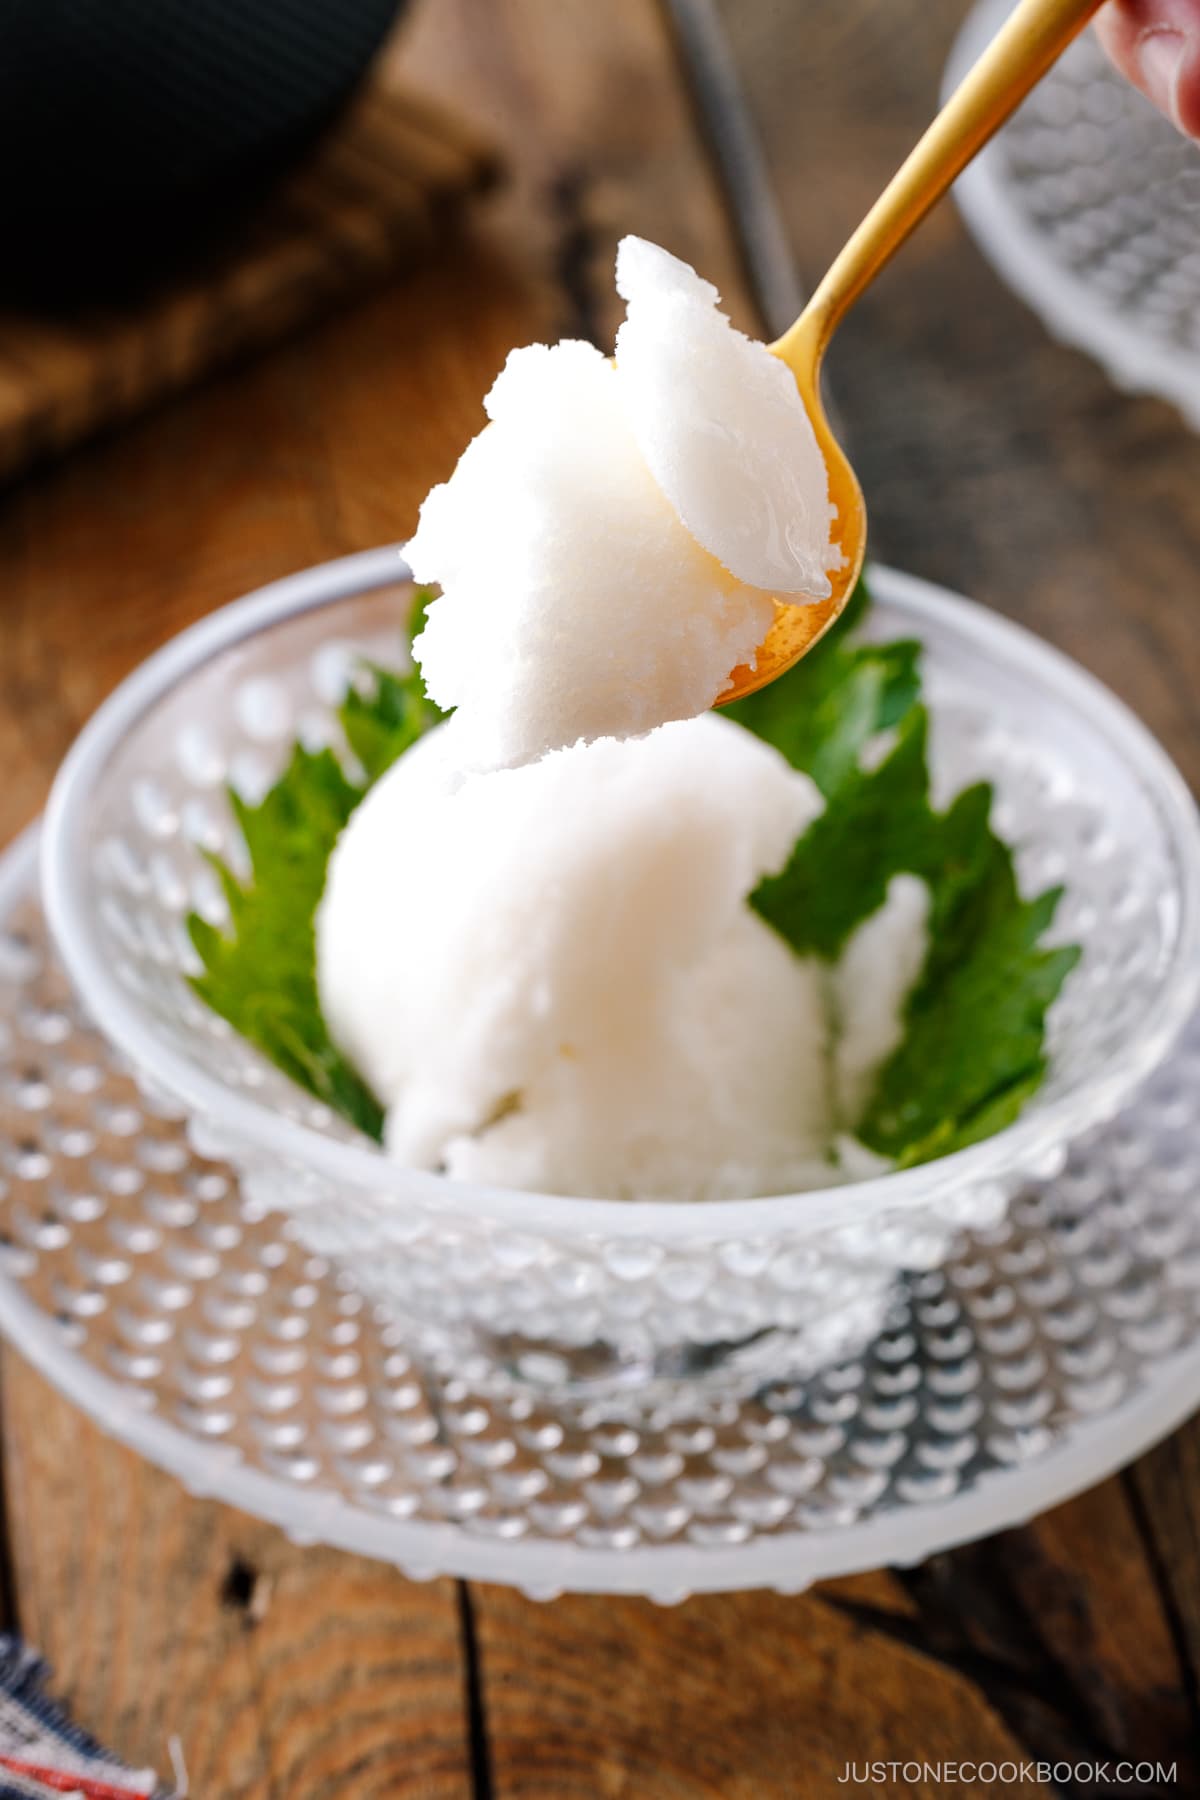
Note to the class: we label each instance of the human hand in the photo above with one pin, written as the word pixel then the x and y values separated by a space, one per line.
pixel 1156 43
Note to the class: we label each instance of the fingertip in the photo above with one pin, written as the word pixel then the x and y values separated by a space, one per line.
pixel 1156 45
pixel 1118 30
pixel 1185 103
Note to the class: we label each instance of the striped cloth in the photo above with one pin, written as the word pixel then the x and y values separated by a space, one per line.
pixel 44 1756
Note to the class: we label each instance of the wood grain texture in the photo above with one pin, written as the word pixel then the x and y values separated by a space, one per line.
pixel 733 1697
pixel 282 1673
pixel 1164 1493
pixel 1062 1626
pixel 1048 1644
pixel 592 116
pixel 369 199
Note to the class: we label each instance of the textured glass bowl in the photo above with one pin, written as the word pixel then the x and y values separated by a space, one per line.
pixel 1086 204
pixel 593 1296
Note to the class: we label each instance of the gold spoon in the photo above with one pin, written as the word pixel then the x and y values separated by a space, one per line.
pixel 1017 58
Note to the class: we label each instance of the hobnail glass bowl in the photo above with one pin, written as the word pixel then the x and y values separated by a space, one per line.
pixel 598 1297
pixel 1085 204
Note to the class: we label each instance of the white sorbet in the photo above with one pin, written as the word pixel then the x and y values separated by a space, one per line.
pixel 535 941
pixel 550 976
pixel 609 546
pixel 872 980
pixel 722 427
pixel 574 602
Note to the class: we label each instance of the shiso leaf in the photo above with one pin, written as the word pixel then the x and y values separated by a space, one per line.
pixel 974 1027
pixel 973 1045
pixel 850 716
pixel 836 701
pixel 387 719
pixel 261 972
pixel 877 824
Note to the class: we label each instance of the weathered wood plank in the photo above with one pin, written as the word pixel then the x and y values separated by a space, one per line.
pixel 1062 1628
pixel 726 1698
pixel 1048 1644
pixel 1164 1489
pixel 283 1673
pixel 588 103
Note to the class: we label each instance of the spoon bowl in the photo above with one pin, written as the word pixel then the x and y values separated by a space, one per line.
pixel 1028 44
pixel 797 627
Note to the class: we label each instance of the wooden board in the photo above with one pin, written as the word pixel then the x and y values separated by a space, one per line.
pixel 282 1673
pixel 1078 1635
pixel 371 198
pixel 1048 1644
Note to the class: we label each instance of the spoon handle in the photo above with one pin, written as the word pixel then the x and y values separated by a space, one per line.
pixel 1018 56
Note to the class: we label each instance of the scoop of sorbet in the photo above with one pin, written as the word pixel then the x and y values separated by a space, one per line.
pixel 722 428
pixel 608 548
pixel 551 978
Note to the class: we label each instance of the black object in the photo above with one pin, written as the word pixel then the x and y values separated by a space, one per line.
pixel 120 118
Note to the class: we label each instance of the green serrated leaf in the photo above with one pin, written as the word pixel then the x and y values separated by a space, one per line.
pixel 386 720
pixel 838 873
pixel 260 973
pixel 973 1045
pixel 824 712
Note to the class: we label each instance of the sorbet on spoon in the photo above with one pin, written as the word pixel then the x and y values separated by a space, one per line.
pixel 616 540
pixel 631 542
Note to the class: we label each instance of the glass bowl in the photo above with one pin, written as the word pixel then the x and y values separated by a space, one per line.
pixel 1085 204
pixel 594 1297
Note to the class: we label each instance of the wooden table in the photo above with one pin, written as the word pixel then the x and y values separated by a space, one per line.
pixel 992 460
